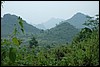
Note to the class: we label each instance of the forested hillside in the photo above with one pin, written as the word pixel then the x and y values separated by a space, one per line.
pixel 60 34
pixel 82 51
pixel 72 42
pixel 8 22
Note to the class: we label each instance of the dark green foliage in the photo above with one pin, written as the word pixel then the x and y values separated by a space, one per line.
pixel 92 22
pixel 9 48
pixel 21 24
pixel 12 54
pixel 83 35
pixel 62 33
pixel 15 41
pixel 84 51
pixel 33 42
pixel 93 25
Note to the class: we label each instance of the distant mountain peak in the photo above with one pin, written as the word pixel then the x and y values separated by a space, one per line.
pixel 8 15
pixel 79 14
pixel 49 24
pixel 77 20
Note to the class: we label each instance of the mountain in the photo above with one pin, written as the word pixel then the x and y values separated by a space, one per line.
pixel 58 30
pixel 61 33
pixel 7 25
pixel 49 24
pixel 40 26
pixel 64 31
pixel 77 20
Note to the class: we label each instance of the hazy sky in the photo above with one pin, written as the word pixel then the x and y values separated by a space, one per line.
pixel 36 12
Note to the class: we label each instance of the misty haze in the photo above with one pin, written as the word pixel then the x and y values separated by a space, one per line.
pixel 49 33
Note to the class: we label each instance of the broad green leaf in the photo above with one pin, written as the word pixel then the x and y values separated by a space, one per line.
pixel 15 41
pixel 12 54
pixel 20 22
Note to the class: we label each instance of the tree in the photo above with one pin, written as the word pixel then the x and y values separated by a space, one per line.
pixel 93 25
pixel 33 42
pixel 92 22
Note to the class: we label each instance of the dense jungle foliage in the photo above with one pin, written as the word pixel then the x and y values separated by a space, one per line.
pixel 82 51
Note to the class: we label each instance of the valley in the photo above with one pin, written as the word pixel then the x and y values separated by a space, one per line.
pixel 34 33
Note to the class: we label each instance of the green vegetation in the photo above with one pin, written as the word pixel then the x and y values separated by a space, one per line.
pixel 61 34
pixel 33 42
pixel 53 47
pixel 9 47
pixel 8 23
pixel 83 51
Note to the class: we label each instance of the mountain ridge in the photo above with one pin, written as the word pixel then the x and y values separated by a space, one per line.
pixel 49 23
pixel 77 20
pixel 7 25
